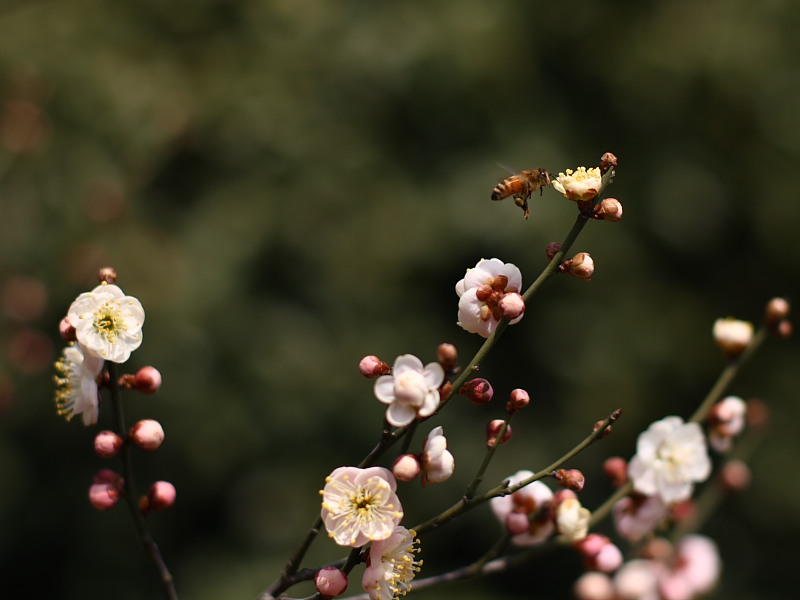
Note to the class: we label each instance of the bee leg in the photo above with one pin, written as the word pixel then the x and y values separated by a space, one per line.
pixel 522 202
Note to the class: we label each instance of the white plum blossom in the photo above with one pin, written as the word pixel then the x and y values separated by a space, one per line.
pixel 391 565
pixel 76 384
pixel 670 457
pixel 481 292
pixel 533 502
pixel 438 463
pixel 411 390
pixel 572 519
pixel 726 421
pixel 108 324
pixel 360 505
pixel 579 185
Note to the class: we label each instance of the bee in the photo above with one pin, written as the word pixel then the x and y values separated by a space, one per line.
pixel 521 185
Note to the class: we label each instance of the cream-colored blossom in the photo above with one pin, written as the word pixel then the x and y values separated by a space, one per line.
pixel 582 184
pixel 360 505
pixel 76 384
pixel 391 566
pixel 572 519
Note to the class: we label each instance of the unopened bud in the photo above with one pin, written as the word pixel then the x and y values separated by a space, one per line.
pixel 580 266
pixel 777 310
pixel 784 329
pixel 447 356
pixel 330 582
pixel 607 161
pixel 552 249
pixel 734 475
pixel 106 489
pixel 107 274
pixel 406 467
pixel 616 469
pixel 478 391
pixel 732 335
pixel 571 479
pixel 147 380
pixel 757 414
pixel 610 209
pixel 107 444
pixel 683 510
pixel 66 330
pixel 493 430
pixel 518 400
pixel 512 305
pixel 147 434
pixel 606 431
pixel 160 496
pixel 103 496
pixel 372 366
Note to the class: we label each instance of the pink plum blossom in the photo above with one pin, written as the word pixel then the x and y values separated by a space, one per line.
pixel 411 390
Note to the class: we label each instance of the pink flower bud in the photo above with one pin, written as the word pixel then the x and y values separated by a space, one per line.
pixel 610 209
pixel 493 430
pixel 447 356
pixel 571 479
pixel 518 400
pixel 734 476
pixel 590 546
pixel 609 559
pixel 107 444
pixel 103 496
pixel 784 330
pixel 372 366
pixel 757 414
pixel 517 522
pixel 66 330
pixel 330 582
pixel 147 380
pixel 108 476
pixel 406 467
pixel 160 496
pixel 512 305
pixel 552 249
pixel 147 434
pixel 580 266
pixel 107 274
pixel 616 469
pixel 777 310
pixel 479 391
pixel 607 161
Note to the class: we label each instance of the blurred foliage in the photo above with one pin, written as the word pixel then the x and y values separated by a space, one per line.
pixel 290 185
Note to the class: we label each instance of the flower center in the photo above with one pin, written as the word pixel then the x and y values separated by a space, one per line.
pixel 108 321
pixel 410 388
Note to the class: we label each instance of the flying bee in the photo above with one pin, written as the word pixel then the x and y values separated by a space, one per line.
pixel 521 185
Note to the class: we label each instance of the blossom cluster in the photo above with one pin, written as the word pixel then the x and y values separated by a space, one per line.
pixel 361 507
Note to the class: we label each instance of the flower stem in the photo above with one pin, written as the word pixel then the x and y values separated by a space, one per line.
pixel 131 499
pixel 726 377
pixel 504 489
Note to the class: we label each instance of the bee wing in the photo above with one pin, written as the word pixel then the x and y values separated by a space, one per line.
pixel 507 168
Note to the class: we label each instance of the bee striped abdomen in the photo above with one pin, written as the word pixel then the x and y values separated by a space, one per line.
pixel 511 186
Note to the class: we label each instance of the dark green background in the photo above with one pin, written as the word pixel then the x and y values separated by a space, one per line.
pixel 290 185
